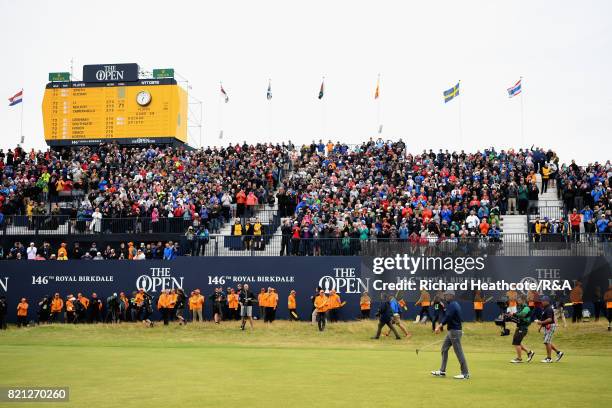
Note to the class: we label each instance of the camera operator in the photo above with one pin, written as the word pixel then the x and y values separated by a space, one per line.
pixel 112 308
pixel 522 318
pixel 179 306
pixel 246 298
pixel 218 301
pixel 95 308
pixel 146 308
pixel 44 308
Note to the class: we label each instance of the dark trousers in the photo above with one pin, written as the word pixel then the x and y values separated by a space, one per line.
pixel 269 314
pixel 321 320
pixel 284 246
pixel 333 315
pixel 2 321
pixel 424 311
pixel 56 317
pixel 609 316
pixel 22 321
pixel 599 309
pixel 544 185
pixel 383 324
pixel 577 312
pixel 165 312
pixel 365 313
pixel 576 233
pixel 295 246
pixel 71 317
pixel 478 315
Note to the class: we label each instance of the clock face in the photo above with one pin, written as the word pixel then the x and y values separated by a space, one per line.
pixel 143 98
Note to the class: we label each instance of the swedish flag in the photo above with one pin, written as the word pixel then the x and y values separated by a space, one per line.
pixel 449 94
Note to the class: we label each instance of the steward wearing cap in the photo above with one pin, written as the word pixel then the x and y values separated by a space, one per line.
pixel 292 306
pixel 57 305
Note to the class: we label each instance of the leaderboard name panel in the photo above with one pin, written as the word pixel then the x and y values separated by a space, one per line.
pixel 108 112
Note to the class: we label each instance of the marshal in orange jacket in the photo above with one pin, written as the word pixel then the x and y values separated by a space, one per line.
pixel 57 304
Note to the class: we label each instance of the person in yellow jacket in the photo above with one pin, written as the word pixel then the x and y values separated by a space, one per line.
pixel 334 303
pixel 424 302
pixel 70 313
pixel 365 305
pixel 271 302
pixel 62 253
pixel 292 306
pixel 232 304
pixel 198 307
pixel 478 306
pixel 608 300
pixel 321 304
pixel 257 234
pixel 163 305
pixel 57 306
pixel 22 312
pixel 576 299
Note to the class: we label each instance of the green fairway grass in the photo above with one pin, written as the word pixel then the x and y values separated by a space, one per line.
pixel 293 365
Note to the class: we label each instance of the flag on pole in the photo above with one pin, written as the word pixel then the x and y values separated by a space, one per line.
pixel 224 94
pixel 451 93
pixel 322 90
pixel 17 98
pixel 377 92
pixel 269 93
pixel 515 89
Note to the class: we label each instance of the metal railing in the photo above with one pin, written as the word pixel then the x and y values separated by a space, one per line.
pixel 278 245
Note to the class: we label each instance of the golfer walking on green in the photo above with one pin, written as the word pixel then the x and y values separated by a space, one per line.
pixel 452 320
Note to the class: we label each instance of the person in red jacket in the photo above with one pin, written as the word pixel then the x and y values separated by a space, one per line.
pixel 575 221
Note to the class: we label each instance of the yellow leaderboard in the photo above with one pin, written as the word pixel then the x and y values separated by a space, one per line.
pixel 141 112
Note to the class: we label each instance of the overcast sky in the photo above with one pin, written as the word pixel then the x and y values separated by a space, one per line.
pixel 562 49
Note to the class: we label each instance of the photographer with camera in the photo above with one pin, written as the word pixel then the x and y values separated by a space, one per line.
pixel 112 309
pixel 246 298
pixel 44 310
pixel 522 318
pixel 218 300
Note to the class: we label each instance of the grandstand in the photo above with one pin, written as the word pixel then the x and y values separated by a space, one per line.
pixel 317 199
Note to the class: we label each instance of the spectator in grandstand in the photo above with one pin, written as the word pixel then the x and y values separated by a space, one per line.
pixel 32 252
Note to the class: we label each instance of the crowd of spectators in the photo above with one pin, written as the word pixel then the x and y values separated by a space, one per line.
pixel 375 191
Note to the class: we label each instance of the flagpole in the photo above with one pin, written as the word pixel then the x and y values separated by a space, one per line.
pixel 522 116
pixel 323 112
pixel 21 138
pixel 269 109
pixel 221 114
pixel 379 130
pixel 460 124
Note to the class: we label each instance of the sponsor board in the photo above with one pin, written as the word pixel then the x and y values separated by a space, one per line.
pixel 348 276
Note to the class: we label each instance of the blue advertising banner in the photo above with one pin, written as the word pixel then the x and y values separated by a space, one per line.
pixel 402 275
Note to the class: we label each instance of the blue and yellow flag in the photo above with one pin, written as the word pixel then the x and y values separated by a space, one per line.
pixel 449 94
